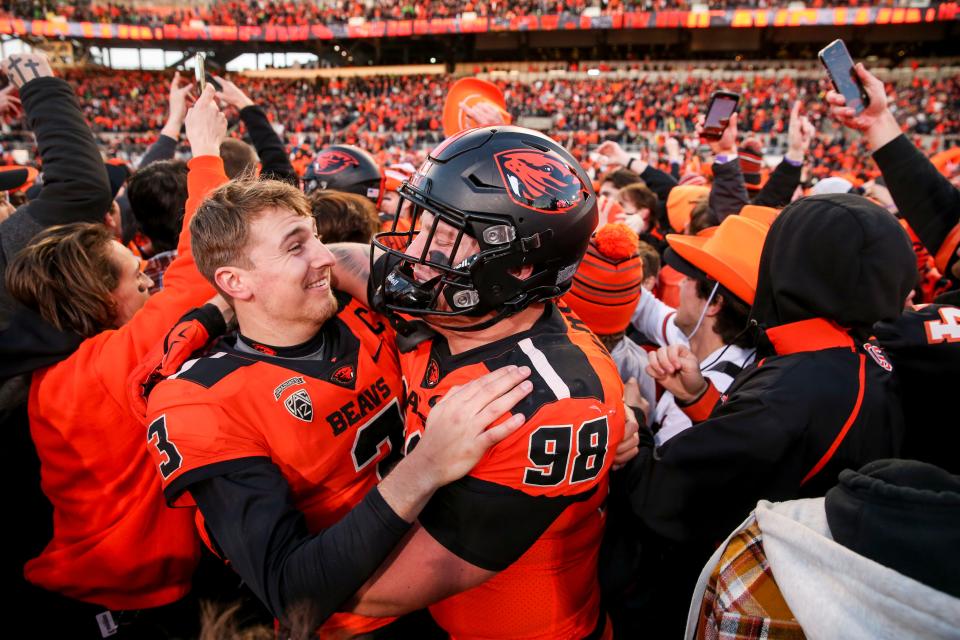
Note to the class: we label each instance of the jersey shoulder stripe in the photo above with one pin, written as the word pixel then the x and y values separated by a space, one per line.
pixel 210 370
pixel 173 490
pixel 560 370
pixel 543 367
pixel 347 333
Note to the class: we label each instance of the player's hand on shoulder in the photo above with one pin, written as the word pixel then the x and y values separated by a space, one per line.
pixel 224 307
pixel 457 434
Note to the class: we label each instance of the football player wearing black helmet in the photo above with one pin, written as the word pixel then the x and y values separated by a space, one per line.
pixel 502 217
pixel 343 167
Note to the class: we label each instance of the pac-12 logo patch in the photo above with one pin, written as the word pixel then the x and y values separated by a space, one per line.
pixel 300 406
pixel 538 180
pixel 333 161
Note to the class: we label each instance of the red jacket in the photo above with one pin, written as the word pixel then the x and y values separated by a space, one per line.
pixel 115 542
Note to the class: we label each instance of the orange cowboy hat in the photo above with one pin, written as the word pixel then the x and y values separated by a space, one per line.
pixel 470 91
pixel 729 254
pixel 680 203
pixel 766 215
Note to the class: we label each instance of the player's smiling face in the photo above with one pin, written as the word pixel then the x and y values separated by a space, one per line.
pixel 290 278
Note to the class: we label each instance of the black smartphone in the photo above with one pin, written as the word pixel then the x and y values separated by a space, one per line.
pixel 723 104
pixel 839 65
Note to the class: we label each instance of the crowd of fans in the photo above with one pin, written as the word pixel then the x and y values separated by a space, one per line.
pixel 295 12
pixel 391 116
pixel 187 333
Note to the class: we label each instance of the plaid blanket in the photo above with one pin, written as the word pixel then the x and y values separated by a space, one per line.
pixel 742 600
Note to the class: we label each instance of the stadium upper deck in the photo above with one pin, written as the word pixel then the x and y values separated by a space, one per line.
pixel 288 21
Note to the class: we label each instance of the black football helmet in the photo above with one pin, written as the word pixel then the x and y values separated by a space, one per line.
pixel 343 167
pixel 525 201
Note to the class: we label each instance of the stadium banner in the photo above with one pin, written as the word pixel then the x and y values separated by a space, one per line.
pixel 736 18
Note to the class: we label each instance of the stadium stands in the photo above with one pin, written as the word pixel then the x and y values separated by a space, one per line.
pixel 289 12
pixel 630 105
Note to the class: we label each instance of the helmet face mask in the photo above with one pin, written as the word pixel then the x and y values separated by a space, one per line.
pixel 529 234
pixel 452 290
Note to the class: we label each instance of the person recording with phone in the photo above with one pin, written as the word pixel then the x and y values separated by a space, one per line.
pixel 840 68
pixel 923 345
pixel 75 189
pixel 729 194
pixel 924 197
pixel 237 155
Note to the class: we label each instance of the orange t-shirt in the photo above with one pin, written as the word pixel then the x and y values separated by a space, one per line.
pixel 115 543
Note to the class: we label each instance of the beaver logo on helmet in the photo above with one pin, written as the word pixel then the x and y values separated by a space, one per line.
pixel 333 161
pixel 539 181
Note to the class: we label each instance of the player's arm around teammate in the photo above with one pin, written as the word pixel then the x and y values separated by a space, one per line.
pixel 303 577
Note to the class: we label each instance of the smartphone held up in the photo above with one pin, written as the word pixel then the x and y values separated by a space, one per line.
pixel 200 72
pixel 723 104
pixel 839 65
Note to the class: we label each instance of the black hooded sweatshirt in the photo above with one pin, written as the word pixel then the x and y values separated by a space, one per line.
pixel 902 514
pixel 75 189
pixel 923 196
pixel 818 400
pixel 924 349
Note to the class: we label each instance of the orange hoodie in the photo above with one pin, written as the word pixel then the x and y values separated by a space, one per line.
pixel 115 542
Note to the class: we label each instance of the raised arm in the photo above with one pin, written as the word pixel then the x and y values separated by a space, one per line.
pixel 659 181
pixel 728 194
pixel 184 287
pixel 75 184
pixel 674 157
pixel 166 145
pixel 275 163
pixel 924 197
pixel 783 181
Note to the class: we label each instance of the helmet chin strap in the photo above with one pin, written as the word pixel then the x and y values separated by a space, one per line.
pixel 703 314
